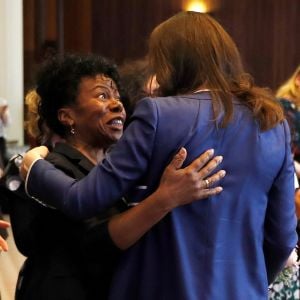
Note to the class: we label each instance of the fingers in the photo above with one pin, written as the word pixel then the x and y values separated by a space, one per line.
pixel 4 224
pixel 202 160
pixel 205 191
pixel 42 151
pixel 203 194
pixel 31 156
pixel 178 159
pixel 211 166
pixel 212 180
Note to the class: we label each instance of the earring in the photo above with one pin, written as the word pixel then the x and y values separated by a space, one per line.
pixel 72 130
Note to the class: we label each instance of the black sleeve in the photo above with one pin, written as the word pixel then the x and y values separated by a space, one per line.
pixel 97 240
pixel 24 215
pixel 34 226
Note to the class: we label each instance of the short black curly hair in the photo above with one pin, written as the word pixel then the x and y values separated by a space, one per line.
pixel 58 82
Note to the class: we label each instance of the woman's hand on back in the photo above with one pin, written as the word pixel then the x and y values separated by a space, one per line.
pixel 183 186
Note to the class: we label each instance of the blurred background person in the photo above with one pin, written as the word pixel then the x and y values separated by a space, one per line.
pixel 287 284
pixel 4 121
pixel 32 119
pixel 289 96
pixel 137 82
pixel 37 131
pixel 3 243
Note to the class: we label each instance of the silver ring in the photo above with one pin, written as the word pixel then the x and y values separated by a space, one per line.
pixel 207 183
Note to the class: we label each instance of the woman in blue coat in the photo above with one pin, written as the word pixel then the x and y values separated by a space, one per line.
pixel 229 246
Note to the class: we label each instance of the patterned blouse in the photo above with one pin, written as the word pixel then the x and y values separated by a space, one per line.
pixel 292 113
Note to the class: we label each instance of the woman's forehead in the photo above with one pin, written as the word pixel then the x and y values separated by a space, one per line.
pixel 99 79
pixel 102 78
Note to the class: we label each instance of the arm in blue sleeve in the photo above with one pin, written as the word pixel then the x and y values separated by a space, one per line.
pixel 106 183
pixel 280 224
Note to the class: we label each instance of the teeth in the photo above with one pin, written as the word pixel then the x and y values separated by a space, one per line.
pixel 117 122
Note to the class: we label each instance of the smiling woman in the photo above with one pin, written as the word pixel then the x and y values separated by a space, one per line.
pixel 98 102
pixel 78 103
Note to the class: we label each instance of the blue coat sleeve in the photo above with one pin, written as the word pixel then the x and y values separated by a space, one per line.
pixel 107 182
pixel 280 223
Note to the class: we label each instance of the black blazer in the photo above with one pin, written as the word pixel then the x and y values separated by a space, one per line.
pixel 66 259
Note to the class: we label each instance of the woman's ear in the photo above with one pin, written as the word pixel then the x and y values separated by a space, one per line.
pixel 64 115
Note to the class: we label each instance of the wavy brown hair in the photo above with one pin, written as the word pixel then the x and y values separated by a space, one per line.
pixel 191 50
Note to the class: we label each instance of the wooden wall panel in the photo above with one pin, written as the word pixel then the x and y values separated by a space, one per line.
pixel 29 41
pixel 121 28
pixel 28 25
pixel 50 20
pixel 77 25
pixel 267 34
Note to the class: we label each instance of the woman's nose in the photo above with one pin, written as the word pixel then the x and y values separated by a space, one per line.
pixel 116 105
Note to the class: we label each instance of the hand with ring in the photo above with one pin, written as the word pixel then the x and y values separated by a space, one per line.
pixel 183 186
pixel 207 183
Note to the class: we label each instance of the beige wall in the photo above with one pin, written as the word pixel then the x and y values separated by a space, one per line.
pixel 11 64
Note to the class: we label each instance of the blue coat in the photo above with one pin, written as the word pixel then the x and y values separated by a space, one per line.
pixel 223 247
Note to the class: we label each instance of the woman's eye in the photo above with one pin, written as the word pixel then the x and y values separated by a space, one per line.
pixel 102 96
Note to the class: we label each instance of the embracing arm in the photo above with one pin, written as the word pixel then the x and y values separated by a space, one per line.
pixel 177 187
pixel 122 169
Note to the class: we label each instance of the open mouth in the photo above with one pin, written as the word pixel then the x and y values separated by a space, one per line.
pixel 116 123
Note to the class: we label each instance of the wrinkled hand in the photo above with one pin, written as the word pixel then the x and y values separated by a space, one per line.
pixel 3 244
pixel 183 186
pixel 31 156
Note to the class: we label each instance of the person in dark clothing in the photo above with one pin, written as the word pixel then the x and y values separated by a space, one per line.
pixel 4 121
pixel 137 81
pixel 3 235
